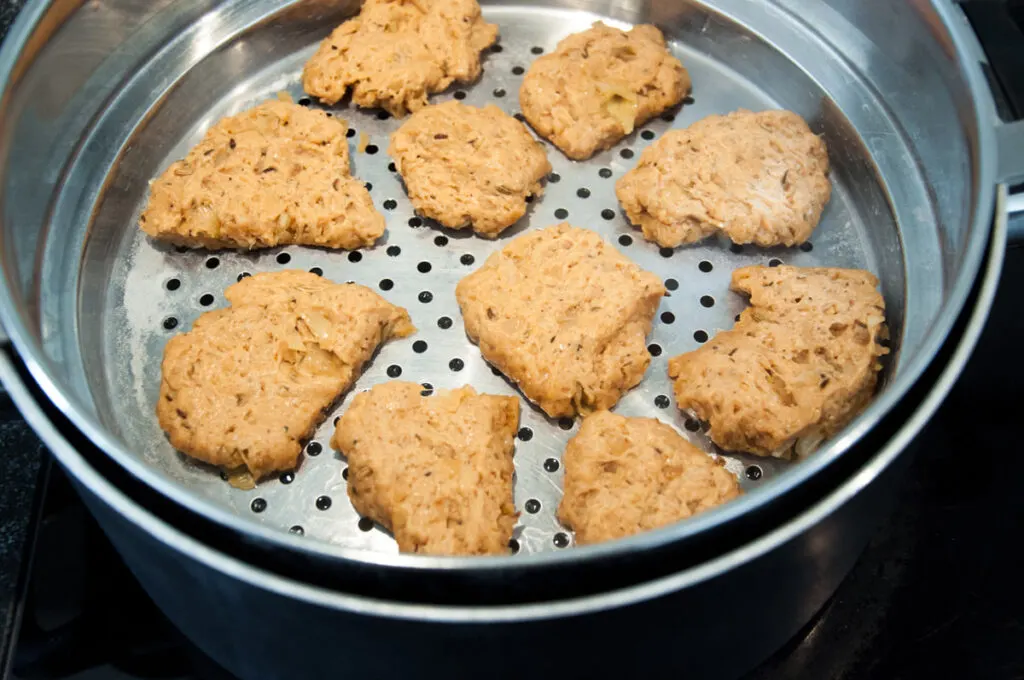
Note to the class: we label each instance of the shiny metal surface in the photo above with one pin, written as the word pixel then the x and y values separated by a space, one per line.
pixel 224 604
pixel 1015 228
pixel 96 109
pixel 132 331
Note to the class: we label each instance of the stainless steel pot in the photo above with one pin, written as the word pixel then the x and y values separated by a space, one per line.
pixel 97 97
pixel 713 620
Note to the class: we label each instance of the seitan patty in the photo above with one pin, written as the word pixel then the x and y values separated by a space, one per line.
pixel 469 167
pixel 802 361
pixel 758 178
pixel 564 315
pixel 276 174
pixel 627 475
pixel 435 470
pixel 249 383
pixel 599 85
pixel 396 52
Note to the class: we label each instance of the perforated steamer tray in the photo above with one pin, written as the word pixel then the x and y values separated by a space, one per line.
pixel 156 291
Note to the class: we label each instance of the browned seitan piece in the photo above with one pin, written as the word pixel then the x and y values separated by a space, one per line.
pixel 469 167
pixel 435 470
pixel 276 174
pixel 758 178
pixel 564 315
pixel 249 383
pixel 396 52
pixel 802 361
pixel 599 85
pixel 627 475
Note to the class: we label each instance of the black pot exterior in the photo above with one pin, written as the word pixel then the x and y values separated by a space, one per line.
pixel 717 628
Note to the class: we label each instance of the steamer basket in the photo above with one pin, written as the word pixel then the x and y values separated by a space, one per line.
pixel 106 95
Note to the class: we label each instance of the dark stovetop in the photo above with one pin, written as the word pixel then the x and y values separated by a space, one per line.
pixel 934 594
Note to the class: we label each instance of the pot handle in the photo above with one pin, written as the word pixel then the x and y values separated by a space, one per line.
pixel 1015 224
pixel 999 38
pixel 1010 139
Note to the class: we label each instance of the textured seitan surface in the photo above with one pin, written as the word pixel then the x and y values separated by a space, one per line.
pixel 758 178
pixel 276 174
pixel 249 383
pixel 627 475
pixel 396 52
pixel 469 167
pixel 435 470
pixel 802 361
pixel 599 85
pixel 565 316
